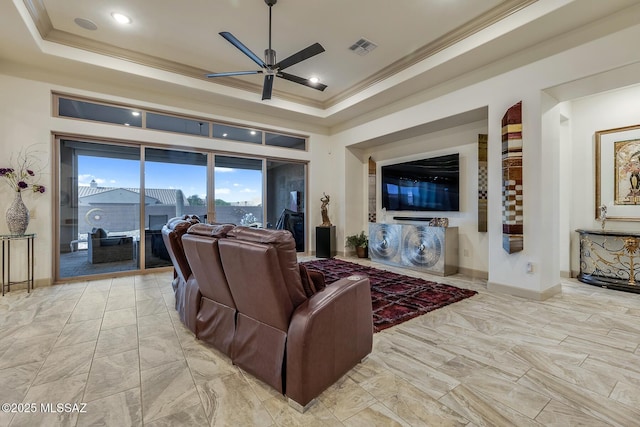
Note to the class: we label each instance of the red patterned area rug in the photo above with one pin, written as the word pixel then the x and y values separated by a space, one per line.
pixel 395 298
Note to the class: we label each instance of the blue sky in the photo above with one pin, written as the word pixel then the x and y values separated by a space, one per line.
pixel 232 185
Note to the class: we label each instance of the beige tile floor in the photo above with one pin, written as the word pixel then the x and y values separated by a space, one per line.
pixel 491 360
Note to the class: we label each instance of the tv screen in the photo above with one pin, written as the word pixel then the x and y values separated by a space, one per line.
pixel 422 185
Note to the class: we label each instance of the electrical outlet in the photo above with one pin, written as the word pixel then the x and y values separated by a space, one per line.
pixel 530 267
pixel 465 252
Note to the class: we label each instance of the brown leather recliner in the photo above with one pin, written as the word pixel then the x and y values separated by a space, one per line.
pixel 299 344
pixel 186 289
pixel 216 318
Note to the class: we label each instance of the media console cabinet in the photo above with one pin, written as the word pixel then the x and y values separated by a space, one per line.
pixel 419 247
pixel 610 259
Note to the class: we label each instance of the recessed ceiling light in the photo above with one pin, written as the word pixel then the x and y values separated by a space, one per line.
pixel 224 135
pixel 135 113
pixel 127 124
pixel 314 80
pixel 120 18
pixel 86 24
pixel 253 132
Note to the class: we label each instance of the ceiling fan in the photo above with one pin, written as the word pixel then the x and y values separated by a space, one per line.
pixel 270 67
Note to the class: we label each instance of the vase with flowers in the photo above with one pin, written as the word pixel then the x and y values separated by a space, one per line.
pixel 21 176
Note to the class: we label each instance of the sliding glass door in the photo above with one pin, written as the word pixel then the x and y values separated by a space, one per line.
pixel 175 184
pixel 99 212
pixel 238 191
pixel 107 224
pixel 286 198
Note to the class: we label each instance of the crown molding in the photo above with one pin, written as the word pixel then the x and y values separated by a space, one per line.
pixel 447 40
pixel 40 17
pixel 47 32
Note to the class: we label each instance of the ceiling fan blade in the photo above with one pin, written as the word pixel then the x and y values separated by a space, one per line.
pixel 268 87
pixel 233 73
pixel 305 53
pixel 302 81
pixel 238 44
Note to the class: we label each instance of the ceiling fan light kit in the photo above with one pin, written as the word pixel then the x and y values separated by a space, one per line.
pixel 269 66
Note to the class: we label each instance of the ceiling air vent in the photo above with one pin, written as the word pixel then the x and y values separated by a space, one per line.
pixel 363 46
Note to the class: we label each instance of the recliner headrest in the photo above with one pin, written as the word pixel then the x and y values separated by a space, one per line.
pixel 211 230
pixel 260 235
pixel 186 219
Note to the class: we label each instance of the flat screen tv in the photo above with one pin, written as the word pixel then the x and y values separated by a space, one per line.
pixel 422 185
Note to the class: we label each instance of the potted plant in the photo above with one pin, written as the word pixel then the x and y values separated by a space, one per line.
pixel 360 242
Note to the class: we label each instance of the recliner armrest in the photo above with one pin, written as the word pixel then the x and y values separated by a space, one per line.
pixel 328 335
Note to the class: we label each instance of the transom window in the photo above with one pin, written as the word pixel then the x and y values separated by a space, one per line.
pixel 97 111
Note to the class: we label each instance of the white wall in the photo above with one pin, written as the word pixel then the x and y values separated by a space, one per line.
pixel 615 109
pixel 26 119
pixel 541 138
pixel 324 176
pixel 565 177
pixel 339 166
pixel 472 245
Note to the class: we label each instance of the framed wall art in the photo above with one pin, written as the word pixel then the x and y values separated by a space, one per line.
pixel 618 173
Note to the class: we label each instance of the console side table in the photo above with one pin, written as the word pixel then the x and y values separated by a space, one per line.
pixel 7 240
pixel 610 259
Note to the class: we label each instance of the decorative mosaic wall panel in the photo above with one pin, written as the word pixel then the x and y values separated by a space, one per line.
pixel 482 183
pixel 512 225
pixel 372 190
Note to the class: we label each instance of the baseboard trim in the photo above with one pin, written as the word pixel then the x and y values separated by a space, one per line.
pixel 566 274
pixel 338 253
pixel 474 274
pixel 43 282
pixel 524 293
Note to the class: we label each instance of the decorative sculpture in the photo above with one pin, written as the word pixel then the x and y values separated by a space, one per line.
pixel 325 211
pixel 372 190
pixel 603 215
pixel 483 182
pixel 512 213
pixel 439 222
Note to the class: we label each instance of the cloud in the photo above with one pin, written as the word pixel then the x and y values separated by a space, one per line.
pixel 85 179
pixel 248 190
pixel 224 170
pixel 219 191
pixel 237 185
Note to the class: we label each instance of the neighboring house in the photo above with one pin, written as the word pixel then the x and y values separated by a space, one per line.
pixel 117 209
